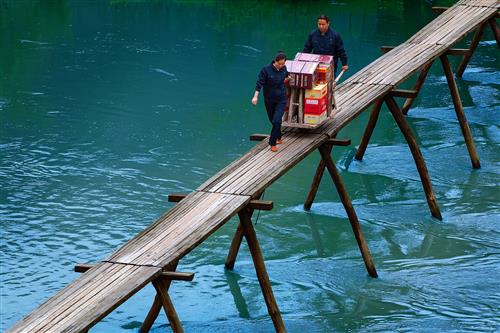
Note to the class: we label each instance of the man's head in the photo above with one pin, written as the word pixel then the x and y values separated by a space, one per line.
pixel 323 23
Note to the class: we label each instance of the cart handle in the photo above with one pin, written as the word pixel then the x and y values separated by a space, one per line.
pixel 340 75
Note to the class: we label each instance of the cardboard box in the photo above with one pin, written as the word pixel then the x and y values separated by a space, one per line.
pixel 314 119
pixel 317 91
pixel 309 76
pixel 306 57
pixel 294 68
pixel 326 59
pixel 315 106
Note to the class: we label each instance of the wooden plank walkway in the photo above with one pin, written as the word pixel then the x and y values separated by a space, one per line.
pixel 84 302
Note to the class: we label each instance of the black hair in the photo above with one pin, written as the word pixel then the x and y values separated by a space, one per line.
pixel 324 17
pixel 279 56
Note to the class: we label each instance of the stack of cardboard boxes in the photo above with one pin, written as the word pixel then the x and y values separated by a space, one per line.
pixel 312 73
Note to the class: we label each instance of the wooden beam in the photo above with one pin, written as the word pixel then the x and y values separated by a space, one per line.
pixel 459 110
pixel 386 49
pixel 339 142
pixel 258 137
pixel 176 197
pixel 335 142
pixel 457 52
pixel 439 10
pixel 351 213
pixel 453 52
pixel 177 276
pixel 417 156
pixel 253 204
pixel 406 93
pixel 260 205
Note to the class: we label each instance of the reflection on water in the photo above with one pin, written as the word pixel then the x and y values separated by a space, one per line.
pixel 108 106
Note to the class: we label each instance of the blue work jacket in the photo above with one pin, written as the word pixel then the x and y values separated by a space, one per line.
pixel 273 82
pixel 328 43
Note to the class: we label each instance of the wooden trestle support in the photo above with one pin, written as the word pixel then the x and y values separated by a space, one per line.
pixel 410 96
pixel 162 283
pixel 245 229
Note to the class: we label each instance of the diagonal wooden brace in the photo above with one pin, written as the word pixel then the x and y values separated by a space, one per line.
pixel 459 110
pixel 238 236
pixel 496 31
pixel 318 175
pixel 162 299
pixel 351 213
pixel 260 268
pixel 372 121
pixel 417 155
pixel 473 45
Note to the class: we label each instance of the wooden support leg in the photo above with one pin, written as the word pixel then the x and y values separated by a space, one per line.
pixel 351 213
pixel 474 43
pixel 154 311
pixel 459 110
pixel 161 286
pixel 369 130
pixel 260 268
pixel 235 246
pixel 236 242
pixel 417 87
pixel 417 156
pixel 495 29
pixel 315 185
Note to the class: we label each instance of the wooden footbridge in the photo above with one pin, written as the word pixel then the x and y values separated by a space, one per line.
pixel 152 256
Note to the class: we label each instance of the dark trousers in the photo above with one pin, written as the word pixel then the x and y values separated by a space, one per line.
pixel 275 110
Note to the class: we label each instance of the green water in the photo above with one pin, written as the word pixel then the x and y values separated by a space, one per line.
pixel 108 106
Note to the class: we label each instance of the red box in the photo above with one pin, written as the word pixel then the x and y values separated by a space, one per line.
pixel 315 106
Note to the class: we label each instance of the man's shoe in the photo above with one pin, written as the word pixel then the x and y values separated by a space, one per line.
pixel 274 148
pixel 279 141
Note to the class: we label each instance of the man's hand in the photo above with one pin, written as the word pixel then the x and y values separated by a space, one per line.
pixel 345 67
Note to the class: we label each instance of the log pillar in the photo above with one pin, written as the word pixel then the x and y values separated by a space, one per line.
pixel 459 110
pixel 474 43
pixel 351 213
pixel 369 130
pixel 417 155
pixel 260 269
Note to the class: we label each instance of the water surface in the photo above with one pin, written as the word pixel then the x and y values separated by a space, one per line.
pixel 108 106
